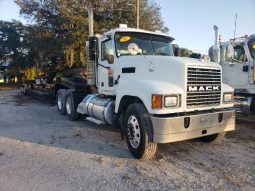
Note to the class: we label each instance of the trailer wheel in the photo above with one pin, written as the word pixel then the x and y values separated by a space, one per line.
pixel 215 138
pixel 61 102
pixel 22 89
pixel 70 108
pixel 139 132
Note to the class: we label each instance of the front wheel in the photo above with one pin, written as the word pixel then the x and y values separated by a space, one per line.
pixel 139 132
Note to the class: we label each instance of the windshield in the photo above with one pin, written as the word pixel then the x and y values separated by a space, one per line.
pixel 148 44
pixel 251 45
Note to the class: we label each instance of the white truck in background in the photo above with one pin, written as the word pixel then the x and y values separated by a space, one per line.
pixel 237 58
pixel 137 84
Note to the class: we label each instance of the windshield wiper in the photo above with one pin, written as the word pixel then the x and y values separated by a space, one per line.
pixel 162 53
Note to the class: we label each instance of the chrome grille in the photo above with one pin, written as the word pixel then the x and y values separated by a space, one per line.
pixel 203 87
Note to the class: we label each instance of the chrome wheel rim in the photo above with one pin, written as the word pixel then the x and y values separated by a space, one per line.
pixel 134 132
pixel 59 103
pixel 68 106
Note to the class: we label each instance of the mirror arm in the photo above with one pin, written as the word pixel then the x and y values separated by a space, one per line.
pixel 107 67
pixel 109 36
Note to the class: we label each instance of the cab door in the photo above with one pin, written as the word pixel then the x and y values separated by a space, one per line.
pixel 235 68
pixel 105 82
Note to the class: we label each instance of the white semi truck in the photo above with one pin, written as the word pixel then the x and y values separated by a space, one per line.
pixel 237 58
pixel 137 84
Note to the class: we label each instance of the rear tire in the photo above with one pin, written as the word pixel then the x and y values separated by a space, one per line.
pixel 22 89
pixel 215 138
pixel 139 132
pixel 71 112
pixel 61 101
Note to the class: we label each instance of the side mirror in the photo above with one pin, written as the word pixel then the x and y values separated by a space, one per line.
pixel 93 48
pixel 230 53
pixel 177 52
pixel 245 68
pixel 110 59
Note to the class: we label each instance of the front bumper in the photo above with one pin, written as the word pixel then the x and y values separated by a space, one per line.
pixel 172 129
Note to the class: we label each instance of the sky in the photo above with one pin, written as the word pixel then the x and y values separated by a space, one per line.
pixel 190 22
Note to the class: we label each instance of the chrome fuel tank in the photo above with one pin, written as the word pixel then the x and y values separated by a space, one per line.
pixel 98 107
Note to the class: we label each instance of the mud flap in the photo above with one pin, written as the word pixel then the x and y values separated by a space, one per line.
pixel 123 129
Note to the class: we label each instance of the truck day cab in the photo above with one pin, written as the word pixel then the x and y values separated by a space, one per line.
pixel 237 58
pixel 153 97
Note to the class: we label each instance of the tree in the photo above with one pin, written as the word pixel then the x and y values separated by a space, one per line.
pixel 11 45
pixel 10 39
pixel 60 30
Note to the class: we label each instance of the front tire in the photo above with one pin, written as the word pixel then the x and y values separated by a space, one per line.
pixel 139 132
pixel 215 138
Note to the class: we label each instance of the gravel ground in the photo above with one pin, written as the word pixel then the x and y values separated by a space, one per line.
pixel 42 150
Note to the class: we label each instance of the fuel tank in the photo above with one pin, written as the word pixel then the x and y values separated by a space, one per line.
pixel 98 107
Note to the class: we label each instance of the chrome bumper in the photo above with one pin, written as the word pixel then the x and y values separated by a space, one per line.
pixel 172 129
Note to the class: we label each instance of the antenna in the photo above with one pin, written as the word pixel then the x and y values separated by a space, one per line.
pixel 235 27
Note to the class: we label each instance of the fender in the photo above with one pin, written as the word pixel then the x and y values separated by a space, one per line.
pixel 143 89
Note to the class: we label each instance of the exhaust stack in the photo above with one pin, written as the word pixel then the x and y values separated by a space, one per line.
pixel 216 32
pixel 216 49
pixel 91 74
pixel 91 20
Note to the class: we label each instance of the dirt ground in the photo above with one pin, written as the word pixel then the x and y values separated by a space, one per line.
pixel 42 150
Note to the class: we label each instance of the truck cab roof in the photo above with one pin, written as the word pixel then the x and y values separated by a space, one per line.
pixel 239 40
pixel 126 29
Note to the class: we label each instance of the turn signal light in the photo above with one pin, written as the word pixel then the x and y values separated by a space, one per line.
pixel 156 102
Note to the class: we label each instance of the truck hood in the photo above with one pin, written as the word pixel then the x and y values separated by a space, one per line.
pixel 169 77
pixel 182 61
pixel 168 69
pixel 166 61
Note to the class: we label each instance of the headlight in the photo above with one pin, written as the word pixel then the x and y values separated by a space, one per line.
pixel 160 101
pixel 228 97
pixel 171 101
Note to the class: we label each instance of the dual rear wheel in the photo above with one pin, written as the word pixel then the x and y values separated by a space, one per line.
pixel 66 105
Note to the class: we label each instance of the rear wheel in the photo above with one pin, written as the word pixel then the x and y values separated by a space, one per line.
pixel 71 109
pixel 61 102
pixel 215 138
pixel 22 89
pixel 139 132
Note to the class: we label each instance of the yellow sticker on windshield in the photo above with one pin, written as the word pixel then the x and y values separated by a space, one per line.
pixel 125 38
pixel 253 46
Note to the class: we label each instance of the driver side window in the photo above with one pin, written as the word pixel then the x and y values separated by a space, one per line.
pixel 107 51
pixel 239 53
